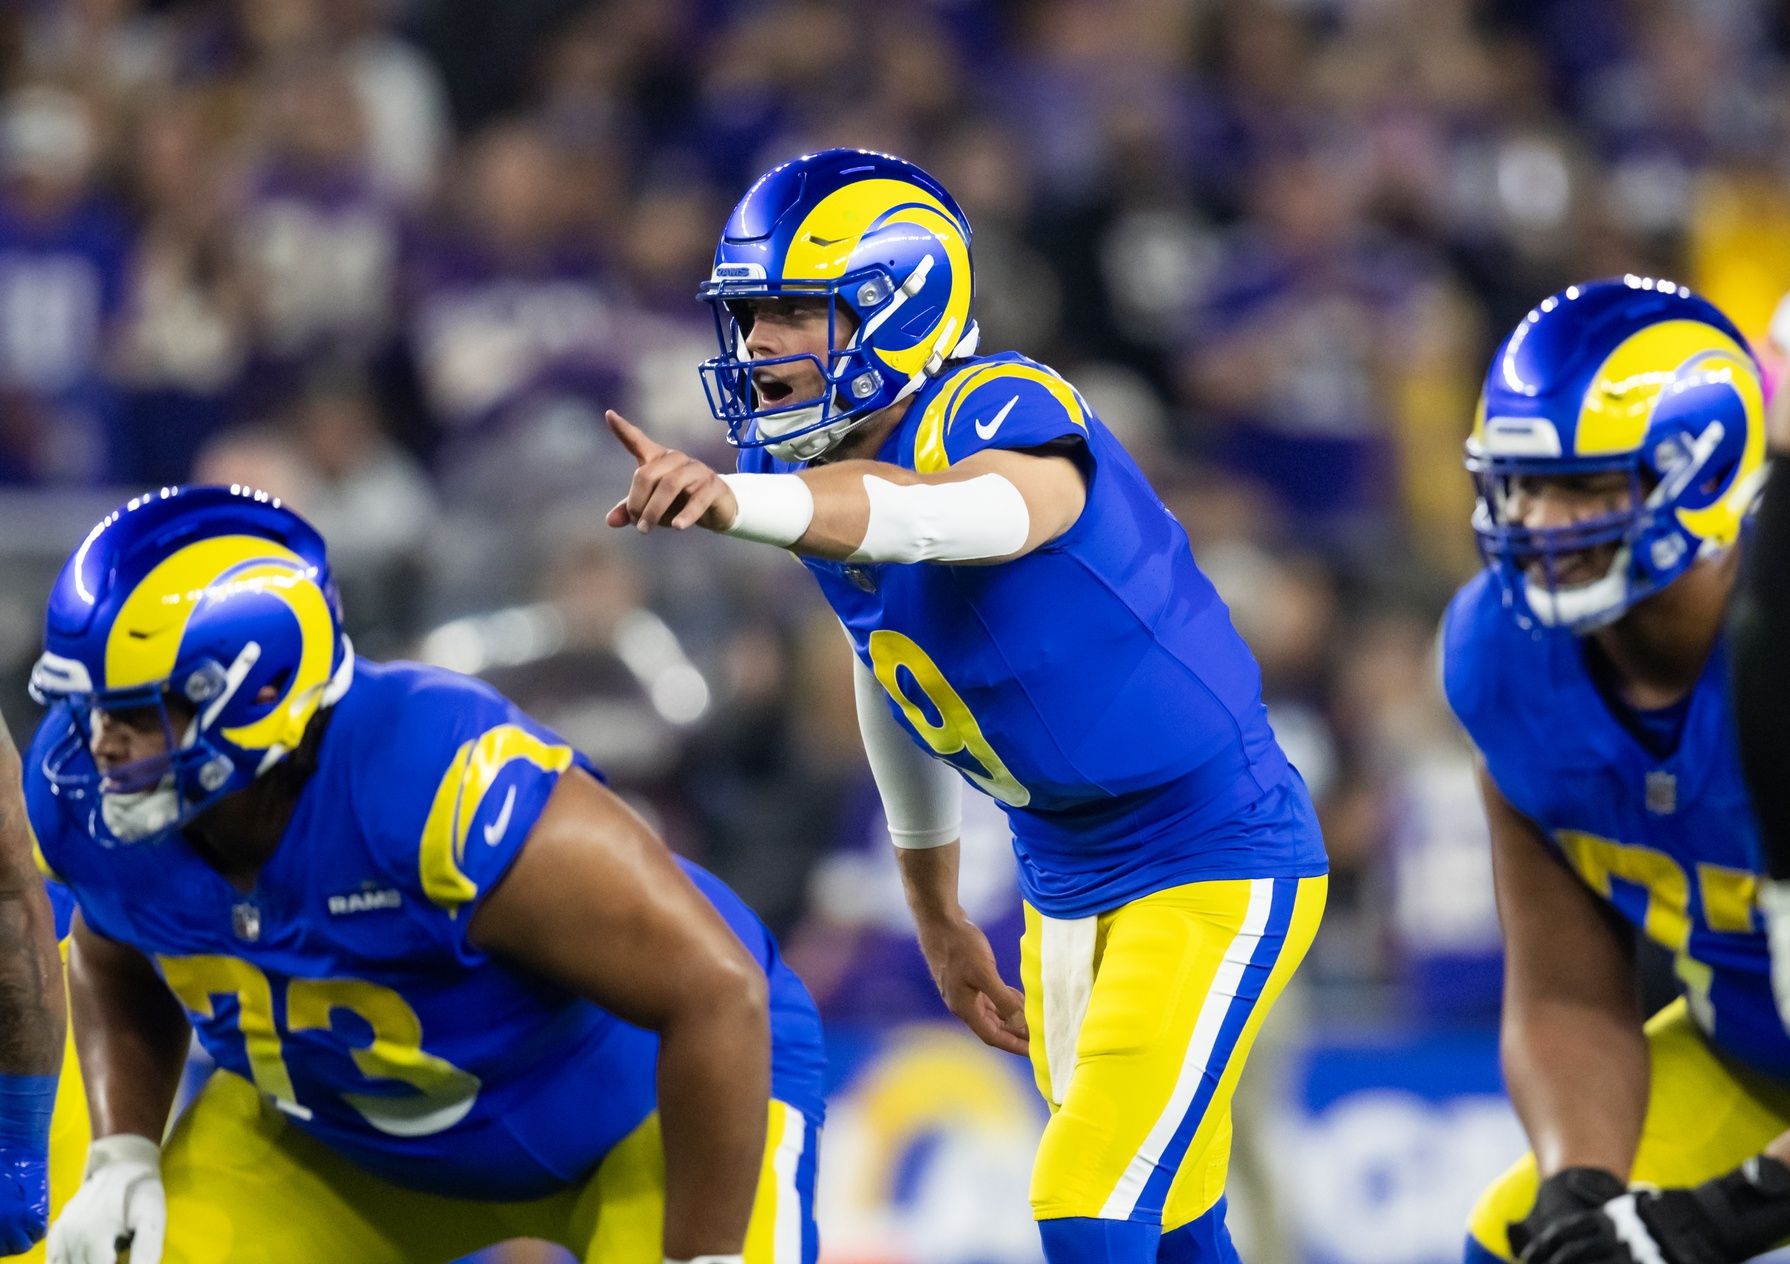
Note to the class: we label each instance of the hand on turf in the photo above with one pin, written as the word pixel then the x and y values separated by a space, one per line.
pixel 120 1200
pixel 1560 1199
pixel 24 1199
pixel 963 967
pixel 1639 1227
pixel 670 488
pixel 1732 1218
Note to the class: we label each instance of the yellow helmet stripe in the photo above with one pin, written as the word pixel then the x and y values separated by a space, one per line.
pixel 1721 522
pixel 285 724
pixel 1619 404
pixel 145 637
pixel 826 239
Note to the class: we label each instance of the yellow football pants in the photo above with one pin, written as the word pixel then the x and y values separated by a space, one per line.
pixel 247 1187
pixel 1704 1116
pixel 1141 1020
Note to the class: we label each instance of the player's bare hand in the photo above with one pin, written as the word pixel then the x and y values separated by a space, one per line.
pixel 963 967
pixel 670 488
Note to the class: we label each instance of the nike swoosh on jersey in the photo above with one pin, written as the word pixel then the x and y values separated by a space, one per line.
pixel 494 832
pixel 985 429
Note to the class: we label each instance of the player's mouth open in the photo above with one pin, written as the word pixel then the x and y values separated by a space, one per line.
pixel 771 390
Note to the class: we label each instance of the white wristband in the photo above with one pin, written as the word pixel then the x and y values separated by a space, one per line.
pixel 772 508
pixel 712 1259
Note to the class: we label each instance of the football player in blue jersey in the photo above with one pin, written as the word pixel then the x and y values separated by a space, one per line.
pixel 31 1021
pixel 1027 617
pixel 456 992
pixel 1618 452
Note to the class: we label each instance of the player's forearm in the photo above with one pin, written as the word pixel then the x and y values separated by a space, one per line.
pixel 1578 1077
pixel 31 1003
pixel 929 879
pixel 866 511
pixel 842 506
pixel 134 1037
pixel 714 1080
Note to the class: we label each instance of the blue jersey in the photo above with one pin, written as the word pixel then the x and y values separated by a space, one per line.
pixel 1095 686
pixel 1668 840
pixel 344 984
pixel 62 906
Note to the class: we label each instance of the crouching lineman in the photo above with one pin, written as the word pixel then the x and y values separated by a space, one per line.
pixel 1026 617
pixel 456 991
pixel 1618 453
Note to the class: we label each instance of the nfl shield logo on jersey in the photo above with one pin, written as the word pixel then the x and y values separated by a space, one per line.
pixel 1662 793
pixel 245 920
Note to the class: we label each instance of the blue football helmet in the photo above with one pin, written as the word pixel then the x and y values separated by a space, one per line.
pixel 878 238
pixel 219 597
pixel 1633 375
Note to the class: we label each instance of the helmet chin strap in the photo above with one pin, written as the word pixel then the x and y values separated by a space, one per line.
pixel 133 817
pixel 1583 607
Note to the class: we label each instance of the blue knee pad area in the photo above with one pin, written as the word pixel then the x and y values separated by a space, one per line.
pixel 1202 1241
pixel 1083 1240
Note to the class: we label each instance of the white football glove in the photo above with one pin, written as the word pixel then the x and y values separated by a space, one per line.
pixel 120 1200
pixel 1774 902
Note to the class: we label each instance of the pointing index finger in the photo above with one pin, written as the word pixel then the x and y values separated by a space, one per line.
pixel 632 437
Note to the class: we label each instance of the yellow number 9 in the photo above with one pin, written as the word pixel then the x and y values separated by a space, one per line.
pixel 956 730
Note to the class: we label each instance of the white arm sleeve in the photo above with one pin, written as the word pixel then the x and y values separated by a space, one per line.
pixel 971 521
pixel 922 796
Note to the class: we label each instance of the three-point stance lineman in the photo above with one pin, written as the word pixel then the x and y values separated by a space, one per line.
pixel 1618 453
pixel 1026 616
pixel 456 991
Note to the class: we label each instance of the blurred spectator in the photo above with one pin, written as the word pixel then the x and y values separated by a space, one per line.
pixel 320 240
pixel 401 94
pixel 511 322
pixel 110 45
pixel 371 500
pixel 779 769
pixel 262 456
pixel 63 249
pixel 185 339
pixel 1290 359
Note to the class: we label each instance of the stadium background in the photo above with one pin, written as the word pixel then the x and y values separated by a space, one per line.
pixel 391 258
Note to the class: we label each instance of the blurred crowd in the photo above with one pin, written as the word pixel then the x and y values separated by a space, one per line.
pixel 392 258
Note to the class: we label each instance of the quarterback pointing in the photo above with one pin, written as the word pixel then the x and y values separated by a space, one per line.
pixel 456 992
pixel 1618 453
pixel 1027 617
